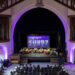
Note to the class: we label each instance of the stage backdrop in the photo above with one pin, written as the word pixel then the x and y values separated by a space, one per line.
pixel 38 41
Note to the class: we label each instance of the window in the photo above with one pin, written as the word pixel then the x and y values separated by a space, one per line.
pixel 4 28
pixel 72 28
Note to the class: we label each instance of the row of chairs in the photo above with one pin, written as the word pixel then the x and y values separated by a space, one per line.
pixel 4 63
pixel 32 70
pixel 1 70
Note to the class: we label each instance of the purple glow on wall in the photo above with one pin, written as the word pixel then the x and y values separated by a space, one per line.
pixel 65 24
pixel 6 53
pixel 71 51
pixel 1 53
pixel 71 54
pixel 64 28
pixel 4 50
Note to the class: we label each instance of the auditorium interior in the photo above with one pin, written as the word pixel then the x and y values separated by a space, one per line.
pixel 37 37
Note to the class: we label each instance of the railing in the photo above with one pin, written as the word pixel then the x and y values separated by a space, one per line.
pixel 5 4
pixel 69 3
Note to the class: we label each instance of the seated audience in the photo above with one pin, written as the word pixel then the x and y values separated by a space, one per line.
pixel 32 70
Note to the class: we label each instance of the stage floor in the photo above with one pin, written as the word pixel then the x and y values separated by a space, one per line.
pixel 70 68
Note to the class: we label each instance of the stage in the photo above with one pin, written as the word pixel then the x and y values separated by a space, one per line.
pixel 26 58
pixel 38 55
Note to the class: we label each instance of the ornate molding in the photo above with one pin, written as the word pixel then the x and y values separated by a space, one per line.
pixel 39 3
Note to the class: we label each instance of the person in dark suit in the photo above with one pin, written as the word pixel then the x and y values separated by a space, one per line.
pixel 60 59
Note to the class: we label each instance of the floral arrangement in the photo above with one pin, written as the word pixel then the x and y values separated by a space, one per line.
pixel 47 51
pixel 25 50
pixel 41 50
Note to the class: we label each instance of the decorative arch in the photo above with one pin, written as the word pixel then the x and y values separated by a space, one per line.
pixel 21 12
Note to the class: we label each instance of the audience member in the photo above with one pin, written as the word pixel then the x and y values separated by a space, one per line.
pixel 32 70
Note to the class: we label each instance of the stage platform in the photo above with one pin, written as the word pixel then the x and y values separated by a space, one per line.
pixel 26 58
pixel 38 55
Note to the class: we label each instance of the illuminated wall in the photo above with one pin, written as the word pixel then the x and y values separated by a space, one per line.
pixel 3 52
pixel 71 51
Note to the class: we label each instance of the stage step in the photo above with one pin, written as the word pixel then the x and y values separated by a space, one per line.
pixel 14 59
pixel 27 58
pixel 23 61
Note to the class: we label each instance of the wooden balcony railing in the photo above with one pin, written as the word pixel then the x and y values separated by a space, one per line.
pixel 5 4
pixel 68 3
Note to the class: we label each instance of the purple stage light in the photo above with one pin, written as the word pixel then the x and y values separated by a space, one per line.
pixel 72 52
pixel 4 52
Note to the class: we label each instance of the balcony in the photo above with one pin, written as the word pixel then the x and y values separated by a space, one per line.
pixel 68 3
pixel 5 4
